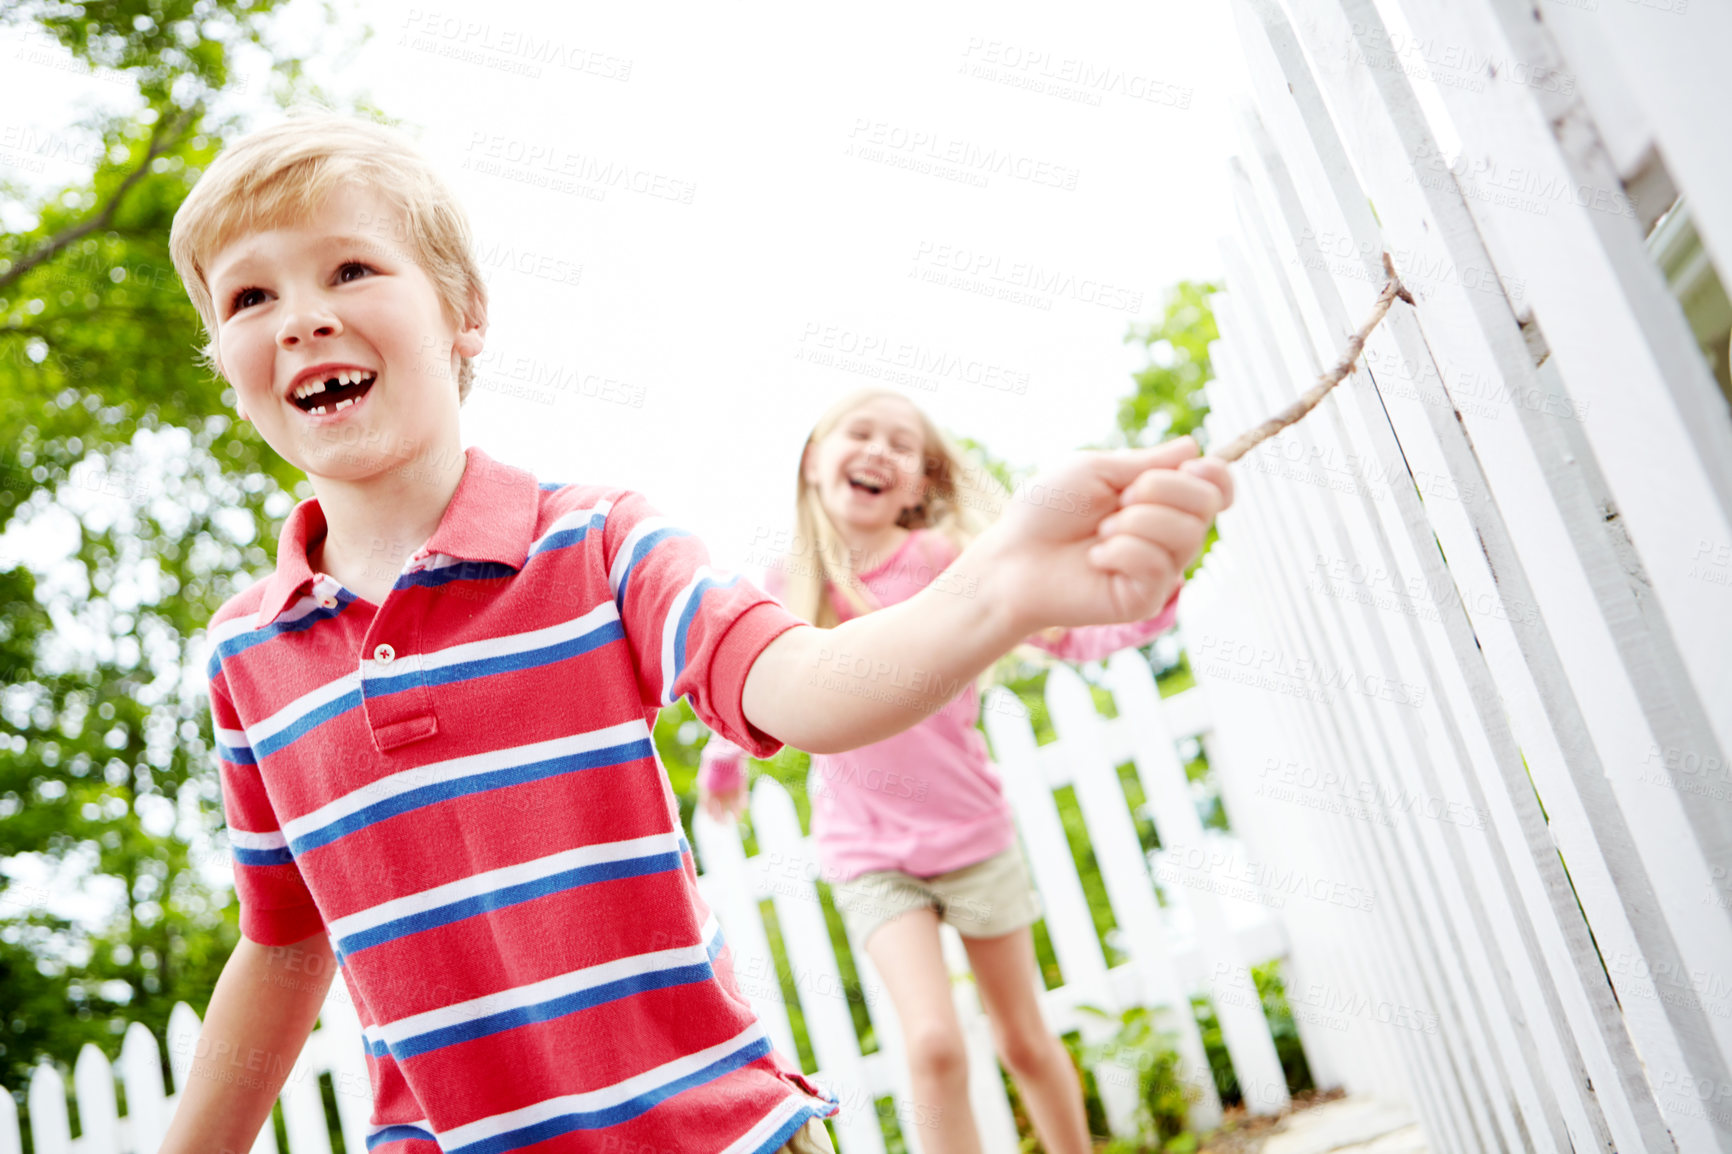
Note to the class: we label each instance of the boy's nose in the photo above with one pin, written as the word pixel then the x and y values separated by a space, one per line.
pixel 305 324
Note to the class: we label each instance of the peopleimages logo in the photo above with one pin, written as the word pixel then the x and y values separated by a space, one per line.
pixel 1022 282
pixel 879 140
pixel 1219 870
pixel 1066 77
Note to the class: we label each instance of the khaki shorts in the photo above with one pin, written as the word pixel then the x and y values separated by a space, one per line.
pixel 983 900
pixel 811 1138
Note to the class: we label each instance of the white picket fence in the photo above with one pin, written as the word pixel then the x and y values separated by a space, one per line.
pixel 1466 633
pixel 1206 938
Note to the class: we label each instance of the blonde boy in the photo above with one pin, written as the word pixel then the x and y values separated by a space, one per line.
pixel 433 719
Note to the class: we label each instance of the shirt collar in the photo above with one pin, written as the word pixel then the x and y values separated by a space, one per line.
pixel 491 517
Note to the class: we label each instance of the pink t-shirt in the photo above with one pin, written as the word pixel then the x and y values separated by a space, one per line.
pixel 928 800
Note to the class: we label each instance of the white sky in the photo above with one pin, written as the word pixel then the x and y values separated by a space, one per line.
pixel 700 312
pixel 762 239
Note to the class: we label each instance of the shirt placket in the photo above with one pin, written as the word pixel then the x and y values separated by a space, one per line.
pixel 394 690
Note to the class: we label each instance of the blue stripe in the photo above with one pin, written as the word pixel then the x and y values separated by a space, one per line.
pixel 702 970
pixel 567 537
pixel 508 896
pixel 238 755
pixel 290 734
pixel 398 1134
pixel 463 786
pixel 244 641
pixel 376 687
pixel 263 857
pixel 553 486
pixel 685 623
pixel 462 571
pixel 614 1115
pixel 547 1011
pixel 638 554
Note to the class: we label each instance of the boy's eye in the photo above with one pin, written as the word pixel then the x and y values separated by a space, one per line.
pixel 245 298
pixel 353 266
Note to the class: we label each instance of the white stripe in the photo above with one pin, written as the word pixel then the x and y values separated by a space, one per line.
pixel 491 880
pixel 622 559
pixel 501 646
pixel 771 1122
pixel 241 839
pixel 262 731
pixel 598 1099
pixel 670 629
pixel 461 767
pixel 293 611
pixel 572 520
pixel 375 1036
pixel 295 710
pixel 299 609
pixel 233 738
pixel 431 562
pixel 227 631
pixel 545 990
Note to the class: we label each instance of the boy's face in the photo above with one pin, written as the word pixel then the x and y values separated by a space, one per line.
pixel 336 342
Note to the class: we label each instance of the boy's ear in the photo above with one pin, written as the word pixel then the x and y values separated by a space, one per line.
pixel 808 467
pixel 472 329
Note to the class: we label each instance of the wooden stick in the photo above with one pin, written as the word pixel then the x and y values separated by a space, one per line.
pixel 1249 440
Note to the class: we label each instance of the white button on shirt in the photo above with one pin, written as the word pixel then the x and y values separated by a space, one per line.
pixel 384 655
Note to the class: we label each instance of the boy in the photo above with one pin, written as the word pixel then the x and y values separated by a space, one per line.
pixel 433 719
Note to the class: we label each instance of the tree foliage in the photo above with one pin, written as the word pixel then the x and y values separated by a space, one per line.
pixel 1168 400
pixel 113 439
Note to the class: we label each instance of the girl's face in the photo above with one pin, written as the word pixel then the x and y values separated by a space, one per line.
pixel 869 467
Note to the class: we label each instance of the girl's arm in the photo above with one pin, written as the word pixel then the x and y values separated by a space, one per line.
pixel 260 1014
pixel 722 778
pixel 1103 540
pixel 1093 642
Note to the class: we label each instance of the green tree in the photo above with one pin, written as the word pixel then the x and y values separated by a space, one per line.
pixel 110 430
pixel 1168 399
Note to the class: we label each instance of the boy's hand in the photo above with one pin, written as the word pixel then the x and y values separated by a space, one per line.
pixel 1047 561
pixel 724 803
pixel 1104 538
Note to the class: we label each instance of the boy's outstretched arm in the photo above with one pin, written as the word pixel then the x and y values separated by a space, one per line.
pixel 1103 539
pixel 260 1015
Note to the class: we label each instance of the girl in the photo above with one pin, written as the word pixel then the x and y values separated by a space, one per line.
pixel 915 830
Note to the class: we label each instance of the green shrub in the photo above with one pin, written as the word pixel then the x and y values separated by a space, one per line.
pixel 1143 1051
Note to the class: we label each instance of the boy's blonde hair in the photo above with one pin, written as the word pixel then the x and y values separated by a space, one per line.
pixel 960 499
pixel 283 173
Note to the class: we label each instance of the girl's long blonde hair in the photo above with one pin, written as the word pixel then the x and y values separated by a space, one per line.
pixel 960 499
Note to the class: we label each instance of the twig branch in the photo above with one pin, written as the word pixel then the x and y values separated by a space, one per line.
pixel 164 136
pixel 1249 440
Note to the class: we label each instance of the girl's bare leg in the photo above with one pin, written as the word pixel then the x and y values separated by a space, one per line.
pixel 1004 968
pixel 909 959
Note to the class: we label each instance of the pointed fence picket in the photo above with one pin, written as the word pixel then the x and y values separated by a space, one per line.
pixel 1464 632
pixel 1192 945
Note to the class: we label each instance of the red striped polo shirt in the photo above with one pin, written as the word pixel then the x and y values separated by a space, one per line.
pixel 458 786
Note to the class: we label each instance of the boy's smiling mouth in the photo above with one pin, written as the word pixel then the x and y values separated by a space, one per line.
pixel 326 391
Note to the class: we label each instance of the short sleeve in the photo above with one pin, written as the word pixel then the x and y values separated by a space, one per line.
pixel 694 630
pixel 276 908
